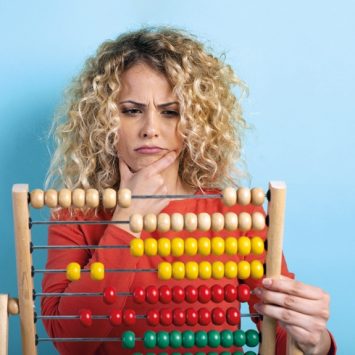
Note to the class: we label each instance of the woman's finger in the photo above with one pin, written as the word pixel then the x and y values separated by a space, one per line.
pixel 125 173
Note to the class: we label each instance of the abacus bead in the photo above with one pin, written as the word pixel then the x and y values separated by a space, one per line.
pixel 201 339
pixel 218 316
pixel 191 294
pixel 230 293
pixel 244 246
pixel 109 295
pixel 85 317
pixel 214 338
pixel 239 338
pixel 204 316
pixel 190 222
pixel 231 270
pixel 178 294
pixel 243 293
pixel 164 247
pixel 257 246
pixel 109 198
pixel 51 198
pixel 217 270
pixel 217 293
pixel 150 247
pixel 191 316
pixel 166 316
pixel 150 222
pixel 152 294
pixel 97 271
pixel 204 294
pixel 205 270
pixel 138 295
pixel 249 352
pixel 129 316
pixel 128 340
pixel 163 222
pixel 217 221
pixel 243 270
pixel 177 247
pixel 252 338
pixel 233 316
pixel 78 198
pixel 153 317
pixel 136 223
pixel 257 196
pixel 231 246
pixel 115 317
pixel 165 294
pixel 175 339
pixel 243 196
pixel 226 339
pixel 179 317
pixel 245 222
pixel 149 339
pixel 191 246
pixel 177 222
pixel 231 221
pixel 217 246
pixel 73 271
pixel 124 198
pixel 92 198
pixel 256 269
pixel 204 221
pixel 13 306
pixel 64 198
pixel 258 221
pixel 162 339
pixel 178 270
pixel 37 198
pixel 164 271
pixel 204 246
pixel 137 247
pixel 229 196
pixel 192 270
pixel 188 339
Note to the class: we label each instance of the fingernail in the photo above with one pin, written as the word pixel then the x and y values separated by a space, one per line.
pixel 267 282
pixel 257 292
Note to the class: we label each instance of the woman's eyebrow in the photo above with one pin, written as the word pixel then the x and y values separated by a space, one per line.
pixel 144 105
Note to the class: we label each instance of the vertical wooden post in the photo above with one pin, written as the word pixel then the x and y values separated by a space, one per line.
pixel 4 325
pixel 24 264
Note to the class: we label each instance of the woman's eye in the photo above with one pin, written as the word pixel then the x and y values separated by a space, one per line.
pixel 131 111
pixel 171 113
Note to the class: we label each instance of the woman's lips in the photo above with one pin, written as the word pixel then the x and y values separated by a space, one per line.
pixel 149 150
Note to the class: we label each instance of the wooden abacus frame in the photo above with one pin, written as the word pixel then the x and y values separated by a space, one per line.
pixel 25 304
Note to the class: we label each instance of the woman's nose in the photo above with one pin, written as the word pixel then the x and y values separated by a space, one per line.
pixel 150 127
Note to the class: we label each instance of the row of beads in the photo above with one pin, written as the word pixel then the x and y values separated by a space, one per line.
pixel 200 353
pixel 202 221
pixel 188 339
pixel 97 271
pixel 201 246
pixel 116 317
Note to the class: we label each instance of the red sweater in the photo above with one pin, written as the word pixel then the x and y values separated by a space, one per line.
pixel 125 282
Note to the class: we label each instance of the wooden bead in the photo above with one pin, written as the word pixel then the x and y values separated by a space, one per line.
pixel 150 222
pixel 13 306
pixel 163 222
pixel 231 221
pixel 245 222
pixel 204 221
pixel 229 196
pixel 243 196
pixel 136 223
pixel 92 198
pixel 51 198
pixel 124 198
pixel 257 196
pixel 37 198
pixel 258 221
pixel 177 222
pixel 78 198
pixel 190 222
pixel 109 198
pixel 64 198
pixel 217 222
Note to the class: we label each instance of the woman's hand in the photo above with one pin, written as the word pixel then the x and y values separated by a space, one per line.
pixel 303 310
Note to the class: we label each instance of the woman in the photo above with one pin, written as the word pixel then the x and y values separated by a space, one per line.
pixel 154 112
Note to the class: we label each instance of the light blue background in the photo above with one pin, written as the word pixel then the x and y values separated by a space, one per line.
pixel 298 59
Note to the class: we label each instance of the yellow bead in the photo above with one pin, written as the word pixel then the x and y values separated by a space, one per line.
pixel 231 270
pixel 73 271
pixel 217 246
pixel 190 246
pixel 217 270
pixel 97 271
pixel 257 245
pixel 205 270
pixel 177 247
pixel 204 246
pixel 257 269
pixel 137 247
pixel 231 246
pixel 164 271
pixel 243 270
pixel 164 247
pixel 244 246
pixel 178 270
pixel 191 270
pixel 150 247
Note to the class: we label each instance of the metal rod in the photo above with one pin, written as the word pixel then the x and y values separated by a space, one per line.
pixel 38 247
pixel 77 294
pixel 37 271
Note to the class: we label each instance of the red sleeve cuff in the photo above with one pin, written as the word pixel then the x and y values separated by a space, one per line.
pixel 333 346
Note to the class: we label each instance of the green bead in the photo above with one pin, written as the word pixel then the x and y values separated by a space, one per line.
pixel 238 353
pixel 163 354
pixel 149 339
pixel 128 340
pixel 175 353
pixel 149 354
pixel 226 338
pixel 188 339
pixel 189 353
pixel 249 353
pixel 175 339
pixel 201 339
pixel 225 352
pixel 252 338
pixel 239 338
pixel 162 339
pixel 200 353
pixel 212 353
pixel 214 338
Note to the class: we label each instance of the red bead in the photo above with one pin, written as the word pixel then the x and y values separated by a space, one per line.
pixel 178 294
pixel 109 295
pixel 152 294
pixel 165 294
pixel 191 316
pixel 138 295
pixel 233 316
pixel 153 317
pixel 85 317
pixel 217 293
pixel 204 316
pixel 218 316
pixel 166 316
pixel 230 293
pixel 243 293
pixel 204 294
pixel 129 316
pixel 116 317
pixel 191 294
pixel 179 316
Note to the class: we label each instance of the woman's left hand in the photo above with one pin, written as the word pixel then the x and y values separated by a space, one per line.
pixel 303 310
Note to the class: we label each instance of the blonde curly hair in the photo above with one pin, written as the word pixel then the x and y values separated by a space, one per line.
pixel 211 120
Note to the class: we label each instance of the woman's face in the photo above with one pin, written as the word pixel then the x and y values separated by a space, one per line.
pixel 149 115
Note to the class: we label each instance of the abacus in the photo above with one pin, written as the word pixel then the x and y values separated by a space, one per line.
pixel 177 342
